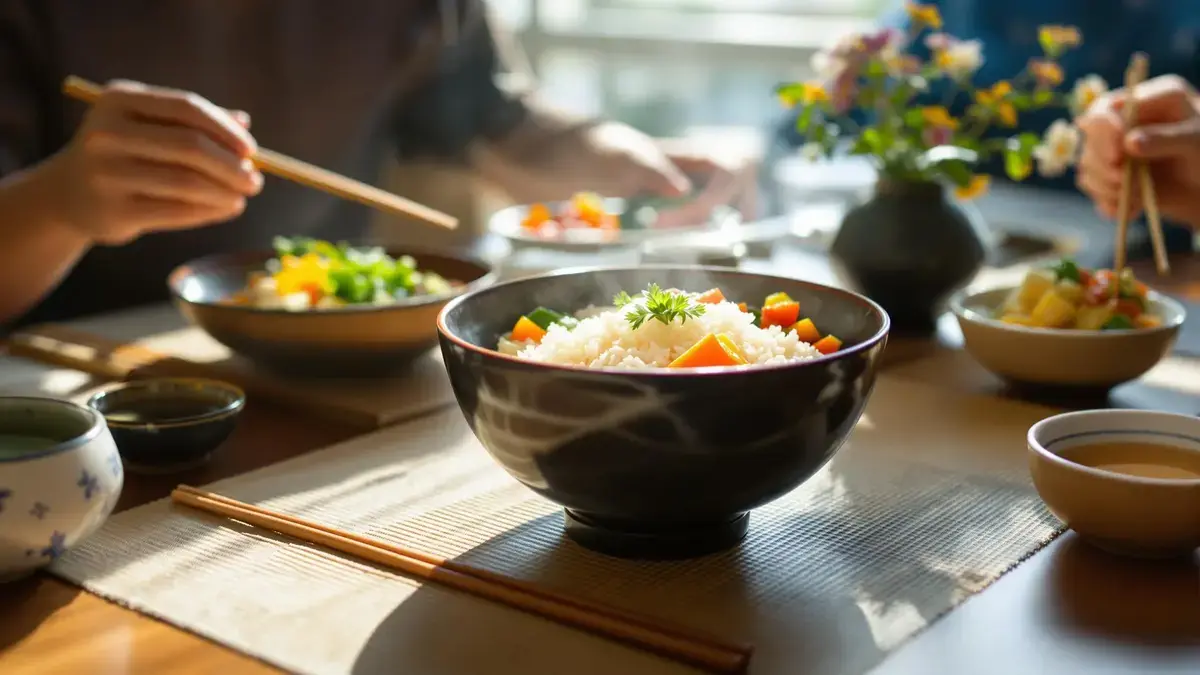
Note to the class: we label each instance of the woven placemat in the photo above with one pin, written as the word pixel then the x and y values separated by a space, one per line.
pixel 929 502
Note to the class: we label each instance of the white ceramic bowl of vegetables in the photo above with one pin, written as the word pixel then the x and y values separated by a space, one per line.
pixel 1067 325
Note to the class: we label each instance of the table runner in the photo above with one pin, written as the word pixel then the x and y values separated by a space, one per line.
pixel 928 503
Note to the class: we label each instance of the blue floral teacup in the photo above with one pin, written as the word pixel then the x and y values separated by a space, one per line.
pixel 60 477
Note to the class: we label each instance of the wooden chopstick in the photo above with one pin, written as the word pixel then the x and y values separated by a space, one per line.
pixel 307 174
pixel 523 586
pixel 1135 74
pixel 672 642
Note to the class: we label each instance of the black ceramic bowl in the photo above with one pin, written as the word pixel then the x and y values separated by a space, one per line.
pixel 659 463
pixel 359 341
pixel 169 424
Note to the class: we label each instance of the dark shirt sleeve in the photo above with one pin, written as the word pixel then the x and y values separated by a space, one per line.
pixel 27 118
pixel 474 89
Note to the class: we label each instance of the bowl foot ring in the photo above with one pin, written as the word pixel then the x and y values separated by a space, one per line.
pixel 662 543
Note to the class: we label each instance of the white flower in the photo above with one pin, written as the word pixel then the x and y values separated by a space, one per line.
pixel 961 58
pixel 827 66
pixel 1058 150
pixel 1087 90
pixel 812 152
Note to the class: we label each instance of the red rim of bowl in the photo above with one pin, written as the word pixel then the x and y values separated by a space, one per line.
pixel 867 344
pixel 177 275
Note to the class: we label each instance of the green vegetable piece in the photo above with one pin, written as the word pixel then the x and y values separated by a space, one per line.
pixel 351 286
pixel 1067 270
pixel 1118 322
pixel 544 317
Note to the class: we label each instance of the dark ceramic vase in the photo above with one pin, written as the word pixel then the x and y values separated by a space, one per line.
pixel 908 248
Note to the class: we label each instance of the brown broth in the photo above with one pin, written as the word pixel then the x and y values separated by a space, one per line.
pixel 1143 460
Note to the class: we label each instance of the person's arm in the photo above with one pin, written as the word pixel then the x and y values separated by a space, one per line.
pixel 36 250
pixel 477 107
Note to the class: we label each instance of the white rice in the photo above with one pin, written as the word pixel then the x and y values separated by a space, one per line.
pixel 606 339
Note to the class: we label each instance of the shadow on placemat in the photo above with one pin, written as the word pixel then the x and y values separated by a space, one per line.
pixel 825 588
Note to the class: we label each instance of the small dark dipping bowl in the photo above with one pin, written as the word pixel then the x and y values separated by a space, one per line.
pixel 659 463
pixel 357 341
pixel 171 424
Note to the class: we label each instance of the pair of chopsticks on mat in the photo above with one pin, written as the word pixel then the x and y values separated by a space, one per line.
pixel 680 644
pixel 304 173
pixel 1139 67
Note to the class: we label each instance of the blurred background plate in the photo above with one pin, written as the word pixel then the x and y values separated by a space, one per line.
pixel 636 217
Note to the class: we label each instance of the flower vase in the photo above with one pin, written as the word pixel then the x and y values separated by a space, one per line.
pixel 908 248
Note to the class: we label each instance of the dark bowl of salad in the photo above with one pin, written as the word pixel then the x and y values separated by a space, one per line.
pixel 1068 327
pixel 312 307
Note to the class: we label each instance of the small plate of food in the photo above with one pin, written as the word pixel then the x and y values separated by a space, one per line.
pixel 315 307
pixel 588 222
pixel 1070 326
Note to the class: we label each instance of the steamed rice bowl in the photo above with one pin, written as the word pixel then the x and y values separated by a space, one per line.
pixel 669 329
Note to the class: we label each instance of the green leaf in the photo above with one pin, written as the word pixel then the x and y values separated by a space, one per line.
pixel 914 118
pixel 1043 98
pixel 876 69
pixel 958 171
pixel 874 140
pixel 804 119
pixel 1017 165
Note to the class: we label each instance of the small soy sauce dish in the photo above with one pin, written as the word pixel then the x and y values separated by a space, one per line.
pixel 166 425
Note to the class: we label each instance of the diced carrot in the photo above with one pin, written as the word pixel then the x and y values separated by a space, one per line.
pixel 315 292
pixel 708 352
pixel 712 296
pixel 538 214
pixel 728 344
pixel 776 299
pixel 1130 308
pixel 742 307
pixel 828 344
pixel 806 330
pixel 608 221
pixel 1147 321
pixel 527 331
pixel 781 314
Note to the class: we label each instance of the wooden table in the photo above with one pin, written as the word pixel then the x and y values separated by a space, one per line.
pixel 1067 609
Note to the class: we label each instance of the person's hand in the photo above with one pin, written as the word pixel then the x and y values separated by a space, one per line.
pixel 626 162
pixel 1166 136
pixel 147 159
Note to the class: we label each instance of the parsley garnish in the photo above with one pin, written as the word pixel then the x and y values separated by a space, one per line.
pixel 663 306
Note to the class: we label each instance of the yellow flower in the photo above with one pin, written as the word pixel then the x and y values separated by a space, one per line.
pixel 994 99
pixel 937 116
pixel 1060 37
pixel 924 15
pixel 976 188
pixel 1045 72
pixel 814 93
pixel 807 93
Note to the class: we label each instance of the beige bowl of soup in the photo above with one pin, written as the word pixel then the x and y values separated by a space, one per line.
pixel 1127 481
pixel 1063 357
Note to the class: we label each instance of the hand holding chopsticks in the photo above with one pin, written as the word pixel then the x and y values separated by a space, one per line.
pixel 1137 170
pixel 673 642
pixel 306 174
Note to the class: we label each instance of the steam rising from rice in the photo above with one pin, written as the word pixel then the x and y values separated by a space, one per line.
pixel 604 338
